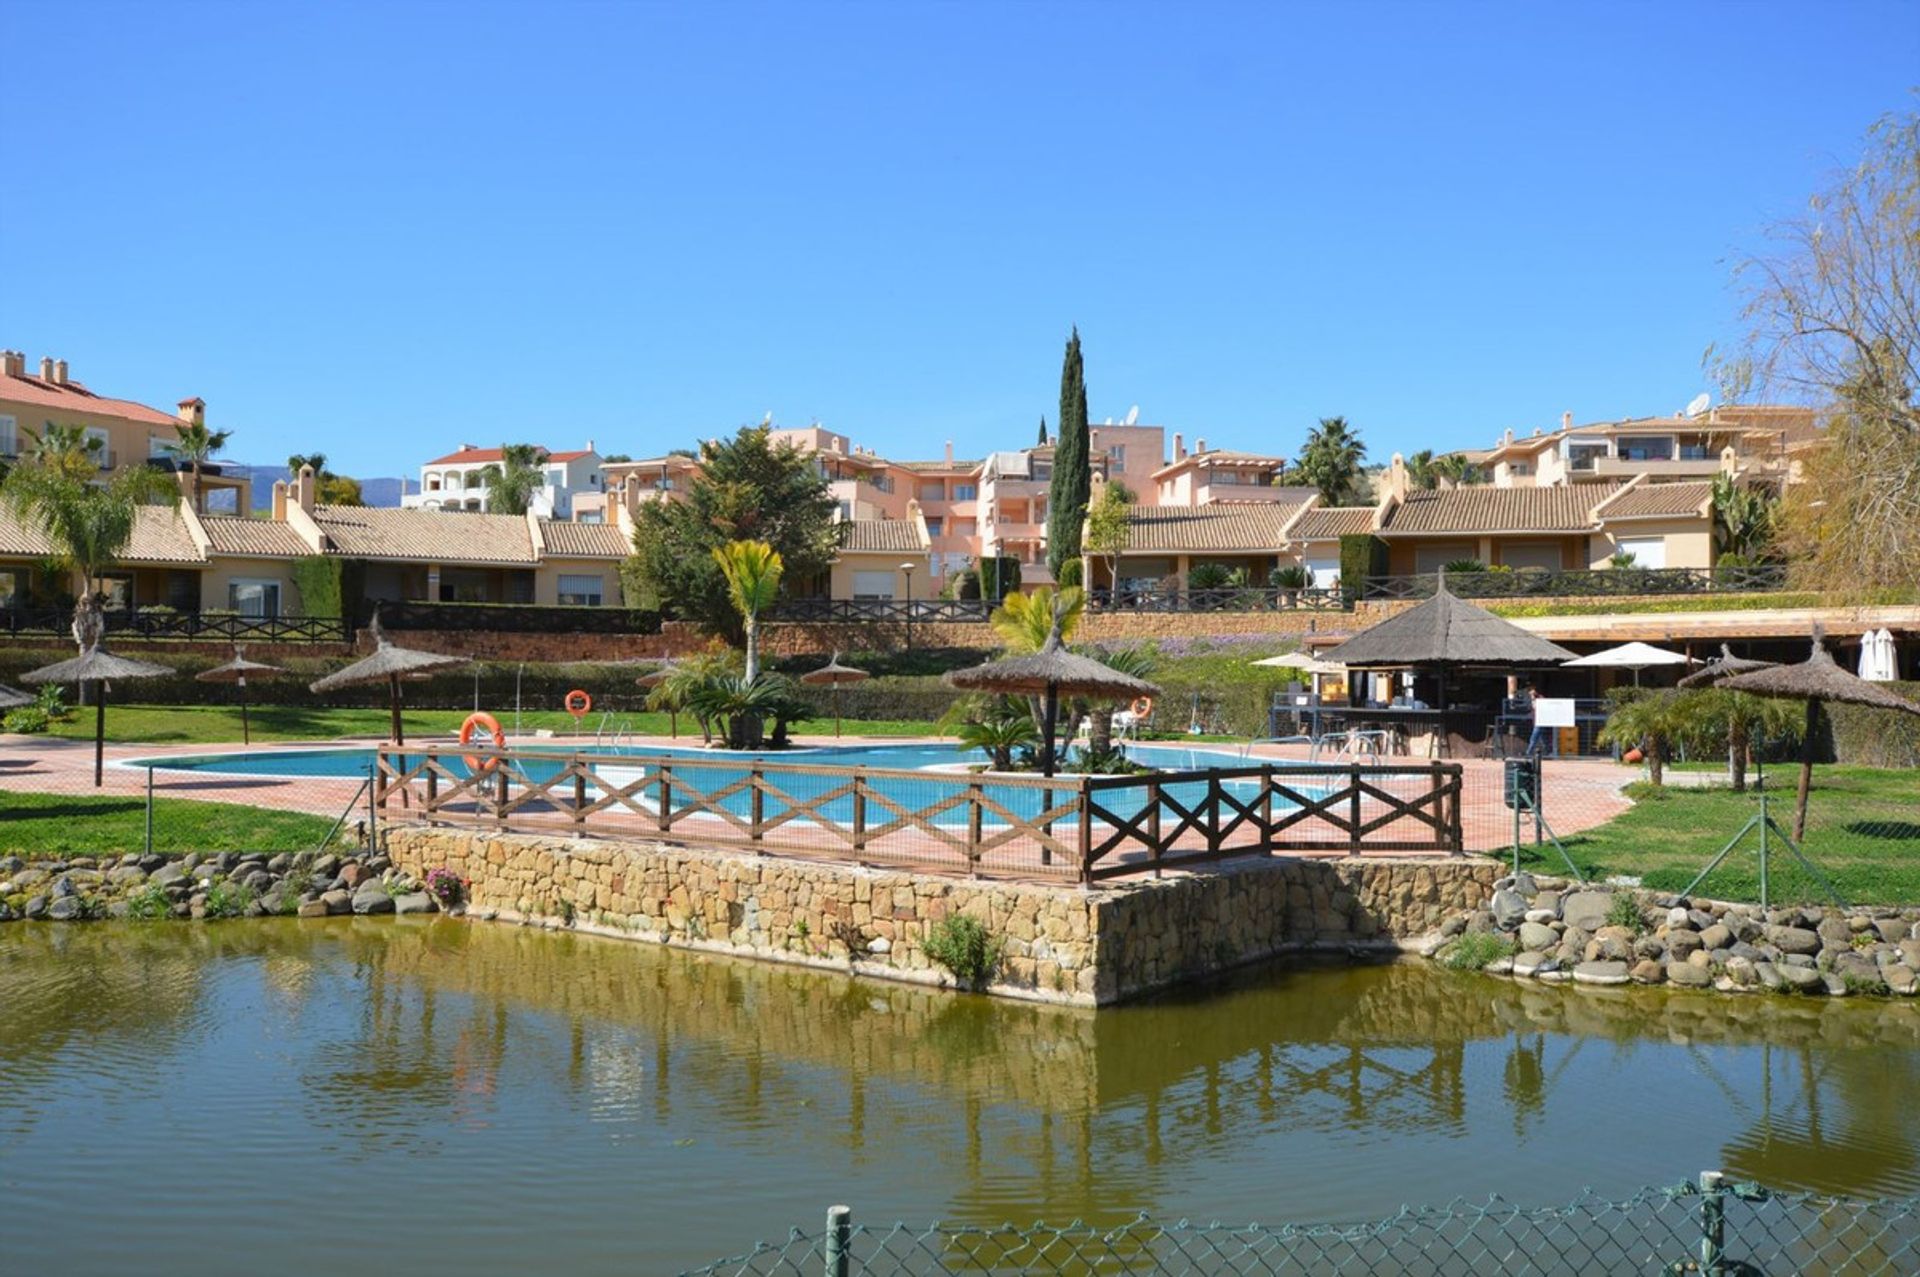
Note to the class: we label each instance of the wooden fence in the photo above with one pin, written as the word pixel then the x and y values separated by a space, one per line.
pixel 1075 828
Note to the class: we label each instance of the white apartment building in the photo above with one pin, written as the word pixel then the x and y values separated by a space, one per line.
pixel 457 483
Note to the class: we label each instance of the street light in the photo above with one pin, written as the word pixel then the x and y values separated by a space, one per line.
pixel 908 569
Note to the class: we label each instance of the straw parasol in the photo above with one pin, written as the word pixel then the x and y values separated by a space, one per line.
pixel 388 664
pixel 835 675
pixel 14 698
pixel 237 671
pixel 1816 679
pixel 1048 673
pixel 96 667
pixel 1722 667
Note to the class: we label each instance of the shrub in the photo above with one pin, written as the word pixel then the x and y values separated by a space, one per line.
pixel 1070 573
pixel 53 699
pixel 1625 912
pixel 1209 576
pixel 964 947
pixel 1475 951
pixel 149 903
pixel 228 900
pixel 445 886
pixel 26 720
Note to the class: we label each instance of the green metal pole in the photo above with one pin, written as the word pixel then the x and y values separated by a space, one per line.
pixel 1764 821
pixel 1713 1225
pixel 149 809
pixel 839 1241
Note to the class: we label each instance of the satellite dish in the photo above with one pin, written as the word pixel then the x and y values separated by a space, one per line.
pixel 767 420
pixel 1133 415
pixel 1698 404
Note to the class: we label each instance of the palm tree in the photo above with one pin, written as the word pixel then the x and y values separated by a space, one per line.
pixel 196 446
pixel 1023 621
pixel 998 729
pixel 752 570
pixel 64 450
pixel 318 460
pixel 1423 472
pixel 675 693
pixel 1456 471
pixel 1717 715
pixel 1137 661
pixel 89 523
pixel 1653 724
pixel 741 701
pixel 1332 459
pixel 513 484
pixel 1744 522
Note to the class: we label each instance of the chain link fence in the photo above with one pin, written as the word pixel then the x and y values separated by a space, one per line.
pixel 1711 1227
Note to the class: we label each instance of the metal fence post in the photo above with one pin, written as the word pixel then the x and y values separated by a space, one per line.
pixel 1713 1224
pixel 839 1241
pixel 149 809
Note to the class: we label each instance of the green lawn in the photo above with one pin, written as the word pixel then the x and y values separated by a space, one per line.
pixel 1863 831
pixel 220 724
pixel 104 824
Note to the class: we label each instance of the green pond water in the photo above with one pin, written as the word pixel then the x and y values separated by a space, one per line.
pixel 296 1097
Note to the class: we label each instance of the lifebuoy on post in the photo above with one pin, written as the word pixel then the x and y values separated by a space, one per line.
pixel 1142 707
pixel 578 704
pixel 477 723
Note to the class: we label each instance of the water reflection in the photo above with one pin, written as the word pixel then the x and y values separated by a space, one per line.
pixel 744 1095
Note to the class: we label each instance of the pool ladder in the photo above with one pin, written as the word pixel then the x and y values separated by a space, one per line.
pixel 612 733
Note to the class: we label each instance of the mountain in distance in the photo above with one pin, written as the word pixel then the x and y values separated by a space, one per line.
pixel 383 492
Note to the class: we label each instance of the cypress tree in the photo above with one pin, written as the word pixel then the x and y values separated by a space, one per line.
pixel 1043 433
pixel 1072 467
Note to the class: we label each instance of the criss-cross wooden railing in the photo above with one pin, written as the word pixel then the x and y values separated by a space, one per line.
pixel 1082 828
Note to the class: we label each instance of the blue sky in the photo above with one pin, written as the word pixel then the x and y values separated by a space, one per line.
pixel 381 230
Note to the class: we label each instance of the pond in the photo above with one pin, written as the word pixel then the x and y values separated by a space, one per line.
pixel 438 1095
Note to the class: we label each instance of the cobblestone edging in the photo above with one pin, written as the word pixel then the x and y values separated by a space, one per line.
pixel 1061 944
pixel 1556 932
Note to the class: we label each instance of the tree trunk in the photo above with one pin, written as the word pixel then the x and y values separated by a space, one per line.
pixel 1100 730
pixel 1737 753
pixel 753 646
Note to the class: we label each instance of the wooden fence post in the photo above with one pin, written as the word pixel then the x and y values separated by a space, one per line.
pixel 1086 832
pixel 663 816
pixel 1266 809
pixel 500 795
pixel 1213 812
pixel 579 797
pixel 1353 828
pixel 859 811
pixel 1153 824
pixel 973 828
pixel 756 802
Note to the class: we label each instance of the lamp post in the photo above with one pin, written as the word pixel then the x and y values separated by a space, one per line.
pixel 908 569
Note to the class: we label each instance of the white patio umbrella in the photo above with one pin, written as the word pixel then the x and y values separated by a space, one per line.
pixel 1877 658
pixel 1632 656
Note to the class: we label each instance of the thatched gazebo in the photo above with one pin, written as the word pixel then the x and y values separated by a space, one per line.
pixel 835 675
pixel 1048 673
pixel 237 671
pixel 388 664
pixel 1447 634
pixel 96 667
pixel 1723 667
pixel 1815 680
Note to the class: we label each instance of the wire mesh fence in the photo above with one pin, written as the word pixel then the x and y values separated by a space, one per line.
pixel 1711 1227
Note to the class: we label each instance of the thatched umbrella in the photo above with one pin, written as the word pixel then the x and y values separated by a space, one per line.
pixel 14 698
pixel 833 674
pixel 1816 679
pixel 1723 667
pixel 237 671
pixel 1048 673
pixel 96 667
pixel 388 664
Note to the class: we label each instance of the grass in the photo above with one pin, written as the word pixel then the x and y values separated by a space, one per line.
pixel 1475 951
pixel 220 724
pixel 108 825
pixel 1863 831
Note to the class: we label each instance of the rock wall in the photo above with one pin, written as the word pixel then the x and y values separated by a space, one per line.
pixel 1061 944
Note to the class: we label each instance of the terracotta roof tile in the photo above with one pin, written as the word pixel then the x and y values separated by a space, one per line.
pixel 77 398
pixel 1568 509
pixel 584 540
pixel 363 532
pixel 1329 522
pixel 1254 526
pixel 258 537
pixel 475 456
pixel 1649 499
pixel 882 536
pixel 159 536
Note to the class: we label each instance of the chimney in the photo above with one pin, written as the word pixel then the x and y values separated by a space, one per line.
pixel 1199 446
pixel 949 452
pixel 303 494
pixel 1566 421
pixel 193 411
pixel 12 363
pixel 279 500
pixel 59 372
pixel 1507 438
pixel 46 368
pixel 1179 447
pixel 1397 481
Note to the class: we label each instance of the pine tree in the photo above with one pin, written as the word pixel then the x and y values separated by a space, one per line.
pixel 1072 467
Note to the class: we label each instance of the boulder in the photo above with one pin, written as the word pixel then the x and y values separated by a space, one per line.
pixel 1768 975
pixel 1688 975
pixel 126 875
pixel 24 878
pixel 36 908
pixel 1586 910
pixel 1795 940
pixel 1542 916
pixel 166 874
pixel 1548 900
pixel 1524 884
pixel 1677 917
pixel 1900 978
pixel 65 909
pixel 1718 936
pixel 1601 973
pixel 1683 942
pixel 1801 979
pixel 413 902
pixel 1836 987
pixel 1508 908
pixel 1740 971
pixel 372 898
pixel 1835 933
pixel 1892 930
pixel 1537 937
pixel 353 874
pixel 1647 971
pixel 312 909
pixel 1529 962
pixel 337 901
pixel 63 887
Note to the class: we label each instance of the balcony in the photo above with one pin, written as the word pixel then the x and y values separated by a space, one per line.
pixel 1671 468
pixel 1014 532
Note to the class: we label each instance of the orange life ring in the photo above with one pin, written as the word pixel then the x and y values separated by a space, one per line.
pixel 1632 756
pixel 578 703
pixel 1142 707
pixel 476 723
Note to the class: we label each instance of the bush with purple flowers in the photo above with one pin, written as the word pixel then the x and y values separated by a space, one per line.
pixel 446 886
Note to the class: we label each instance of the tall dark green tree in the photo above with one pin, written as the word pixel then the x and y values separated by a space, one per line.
pixel 747 490
pixel 1072 466
pixel 1043 434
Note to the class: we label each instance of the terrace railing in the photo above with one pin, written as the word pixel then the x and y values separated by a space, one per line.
pixel 1252 598
pixel 513 618
pixel 165 623
pixel 1583 583
pixel 896 610
pixel 1075 828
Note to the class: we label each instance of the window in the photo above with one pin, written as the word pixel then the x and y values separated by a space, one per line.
pixel 1647 552
pixel 592 516
pixel 582 591
pixel 9 437
pixel 1532 554
pixel 965 492
pixel 99 445
pixel 1117 455
pixel 13 588
pixel 1042 472
pixel 253 597
pixel 935 526
pixel 1646 448
pixel 118 589
pixel 933 492
pixel 873 585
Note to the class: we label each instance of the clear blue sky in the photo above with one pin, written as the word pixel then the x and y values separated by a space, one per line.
pixel 379 230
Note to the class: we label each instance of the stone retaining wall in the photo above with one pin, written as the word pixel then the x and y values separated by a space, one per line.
pixel 1062 944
